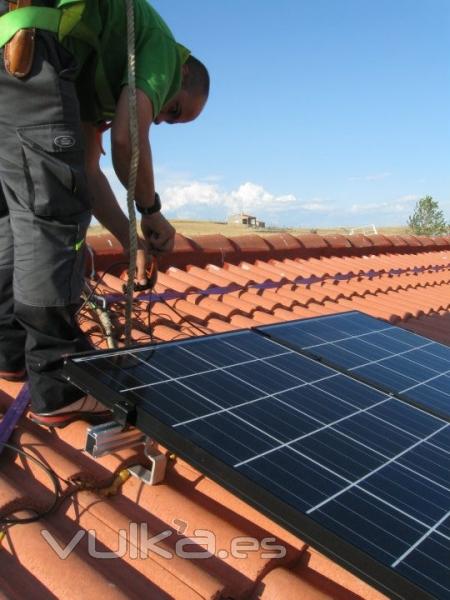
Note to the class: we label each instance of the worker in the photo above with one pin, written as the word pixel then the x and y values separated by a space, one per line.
pixel 54 95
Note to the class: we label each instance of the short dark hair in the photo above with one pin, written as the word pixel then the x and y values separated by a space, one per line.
pixel 196 79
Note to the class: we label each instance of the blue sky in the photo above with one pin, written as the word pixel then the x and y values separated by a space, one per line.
pixel 321 113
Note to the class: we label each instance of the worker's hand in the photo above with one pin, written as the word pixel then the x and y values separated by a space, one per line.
pixel 142 260
pixel 158 233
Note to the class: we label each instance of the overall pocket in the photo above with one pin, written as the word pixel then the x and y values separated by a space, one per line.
pixel 54 164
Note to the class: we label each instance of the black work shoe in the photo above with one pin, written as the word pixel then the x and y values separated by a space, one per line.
pixel 85 409
pixel 19 375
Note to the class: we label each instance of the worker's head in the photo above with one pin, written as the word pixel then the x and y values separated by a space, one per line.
pixel 188 103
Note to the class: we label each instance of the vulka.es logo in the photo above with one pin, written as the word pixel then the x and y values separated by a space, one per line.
pixel 136 542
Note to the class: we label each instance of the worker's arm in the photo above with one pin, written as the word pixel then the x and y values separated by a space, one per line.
pixel 158 232
pixel 104 203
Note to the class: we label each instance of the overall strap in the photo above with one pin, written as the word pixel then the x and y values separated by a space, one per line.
pixel 65 20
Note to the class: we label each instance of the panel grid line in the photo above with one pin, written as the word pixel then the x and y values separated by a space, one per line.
pixel 420 540
pixel 425 383
pixel 391 460
pixel 265 397
pixel 344 339
pixel 216 368
pixel 391 356
pixel 305 435
pixel 412 368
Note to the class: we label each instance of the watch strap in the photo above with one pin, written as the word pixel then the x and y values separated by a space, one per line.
pixel 150 210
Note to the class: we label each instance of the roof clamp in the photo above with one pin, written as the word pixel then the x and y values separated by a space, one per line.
pixel 111 436
pixel 158 463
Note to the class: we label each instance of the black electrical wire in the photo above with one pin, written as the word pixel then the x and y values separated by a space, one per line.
pixel 94 289
pixel 183 317
pixel 6 522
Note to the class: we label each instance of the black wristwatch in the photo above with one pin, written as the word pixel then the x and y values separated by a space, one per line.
pixel 150 210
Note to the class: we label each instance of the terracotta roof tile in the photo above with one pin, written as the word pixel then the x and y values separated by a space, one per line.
pixel 379 241
pixel 312 241
pixel 283 242
pixel 212 284
pixel 359 241
pixel 337 241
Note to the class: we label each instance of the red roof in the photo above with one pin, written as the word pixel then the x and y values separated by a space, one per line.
pixel 209 284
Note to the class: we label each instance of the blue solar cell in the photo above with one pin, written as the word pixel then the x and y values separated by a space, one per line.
pixel 407 418
pixel 428 566
pixel 336 355
pixel 322 330
pixel 224 389
pixel 383 375
pixel 339 453
pixel 441 383
pixel 218 352
pixel 426 357
pixel 302 367
pixel 401 335
pixel 418 497
pixel 276 418
pixel 252 345
pixel 408 368
pixel 430 462
pixel 442 439
pixel 391 345
pixel 444 528
pixel 300 482
pixel 355 323
pixel 265 377
pixel 227 437
pixel 174 361
pixel 355 393
pixel 363 519
pixel 393 359
pixel 380 436
pixel 123 371
pixel 317 404
pixel 172 402
pixel 431 398
pixel 438 350
pixel 363 349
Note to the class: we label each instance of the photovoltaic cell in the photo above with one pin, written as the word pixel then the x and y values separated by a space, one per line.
pixel 399 362
pixel 358 473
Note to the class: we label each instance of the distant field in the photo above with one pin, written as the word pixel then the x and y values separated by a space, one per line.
pixel 195 228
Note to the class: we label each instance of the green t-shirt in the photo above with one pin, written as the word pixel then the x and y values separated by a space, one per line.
pixel 158 56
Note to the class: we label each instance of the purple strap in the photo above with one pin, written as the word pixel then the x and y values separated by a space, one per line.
pixel 270 284
pixel 13 414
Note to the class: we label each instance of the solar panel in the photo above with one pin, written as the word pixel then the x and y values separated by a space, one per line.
pixel 358 474
pixel 412 367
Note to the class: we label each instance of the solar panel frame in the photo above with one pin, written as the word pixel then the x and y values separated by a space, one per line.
pixel 344 553
pixel 270 331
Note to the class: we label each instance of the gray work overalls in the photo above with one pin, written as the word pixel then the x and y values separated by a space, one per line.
pixel 44 214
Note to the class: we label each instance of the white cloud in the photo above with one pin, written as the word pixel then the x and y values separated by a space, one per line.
pixel 206 198
pixel 191 194
pixel 316 206
pixel 248 197
pixel 398 205
pixel 373 177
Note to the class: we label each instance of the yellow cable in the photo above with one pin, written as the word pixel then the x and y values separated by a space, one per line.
pixel 119 480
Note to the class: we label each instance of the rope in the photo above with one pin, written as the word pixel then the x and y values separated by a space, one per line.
pixel 134 163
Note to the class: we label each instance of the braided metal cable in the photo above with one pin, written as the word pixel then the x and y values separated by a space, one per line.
pixel 134 164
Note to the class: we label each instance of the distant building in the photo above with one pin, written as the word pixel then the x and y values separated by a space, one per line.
pixel 247 220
